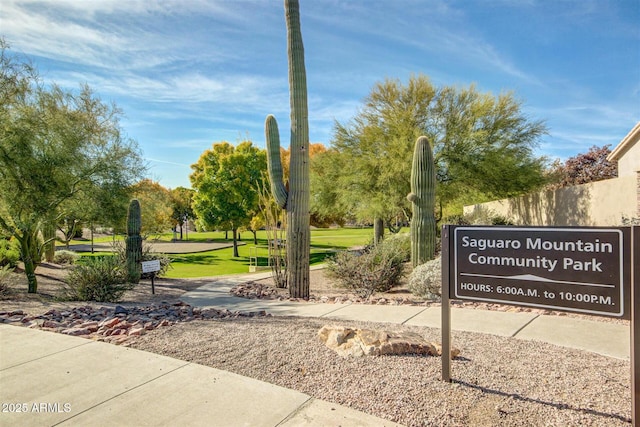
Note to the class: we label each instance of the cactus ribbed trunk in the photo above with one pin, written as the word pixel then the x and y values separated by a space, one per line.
pixel 423 197
pixel 134 242
pixel 296 200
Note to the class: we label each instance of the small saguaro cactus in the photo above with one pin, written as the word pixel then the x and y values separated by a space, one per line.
pixel 296 200
pixel 134 241
pixel 422 198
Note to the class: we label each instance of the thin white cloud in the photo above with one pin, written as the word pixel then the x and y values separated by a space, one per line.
pixel 166 162
pixel 444 31
pixel 110 34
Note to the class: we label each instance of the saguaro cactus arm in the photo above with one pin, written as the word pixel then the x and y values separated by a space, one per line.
pixel 274 163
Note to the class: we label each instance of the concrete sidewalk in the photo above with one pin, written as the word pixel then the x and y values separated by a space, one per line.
pixel 49 379
pixel 608 339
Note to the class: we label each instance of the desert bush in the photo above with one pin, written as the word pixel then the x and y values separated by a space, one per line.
pixel 426 279
pixel 456 220
pixel 377 269
pixel 501 220
pixel 5 272
pixel 629 221
pixel 101 279
pixel 65 257
pixel 165 261
pixel 147 255
pixel 9 253
pixel 398 244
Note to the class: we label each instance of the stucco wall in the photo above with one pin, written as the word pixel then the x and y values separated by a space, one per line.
pixel 629 163
pixel 601 203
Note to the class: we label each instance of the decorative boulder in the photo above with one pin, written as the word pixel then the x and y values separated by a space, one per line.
pixel 367 342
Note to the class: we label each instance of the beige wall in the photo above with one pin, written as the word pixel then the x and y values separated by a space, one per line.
pixel 629 162
pixel 601 203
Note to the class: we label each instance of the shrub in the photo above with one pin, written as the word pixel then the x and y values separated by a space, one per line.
pixel 147 255
pixel 101 279
pixel 628 221
pixel 165 261
pixel 9 253
pixel 376 269
pixel 5 272
pixel 65 257
pixel 398 244
pixel 456 220
pixel 426 279
pixel 501 220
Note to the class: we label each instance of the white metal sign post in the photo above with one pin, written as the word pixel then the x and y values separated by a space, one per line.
pixel 151 267
pixel 583 270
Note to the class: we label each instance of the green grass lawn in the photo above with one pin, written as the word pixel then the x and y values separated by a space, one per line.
pixel 324 242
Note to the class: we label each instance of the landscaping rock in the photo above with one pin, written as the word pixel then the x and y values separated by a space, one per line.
pixel 120 310
pixel 367 342
pixel 76 331
pixel 117 325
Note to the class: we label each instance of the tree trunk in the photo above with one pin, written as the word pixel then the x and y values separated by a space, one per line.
pixel 235 243
pixel 255 237
pixel 27 240
pixel 49 235
pixel 30 271
pixel 378 230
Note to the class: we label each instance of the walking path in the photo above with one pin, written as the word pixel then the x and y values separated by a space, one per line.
pixel 54 379
pixel 178 247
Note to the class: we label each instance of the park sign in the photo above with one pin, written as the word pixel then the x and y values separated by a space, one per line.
pixel 590 270
pixel 570 269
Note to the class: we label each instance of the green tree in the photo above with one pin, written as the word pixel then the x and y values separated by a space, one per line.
pixel 54 146
pixel 156 206
pixel 181 201
pixel 226 182
pixel 106 204
pixel 481 143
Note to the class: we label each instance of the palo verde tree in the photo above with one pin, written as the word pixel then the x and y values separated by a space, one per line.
pixel 226 180
pixel 481 143
pixel 54 146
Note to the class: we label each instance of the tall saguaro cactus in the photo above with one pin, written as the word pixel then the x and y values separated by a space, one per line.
pixel 296 200
pixel 134 241
pixel 422 198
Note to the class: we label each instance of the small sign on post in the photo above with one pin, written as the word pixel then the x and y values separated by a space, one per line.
pixel 152 267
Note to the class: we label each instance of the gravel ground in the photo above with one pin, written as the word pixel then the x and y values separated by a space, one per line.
pixel 498 381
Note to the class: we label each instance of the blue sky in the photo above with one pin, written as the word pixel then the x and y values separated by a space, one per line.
pixel 188 73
